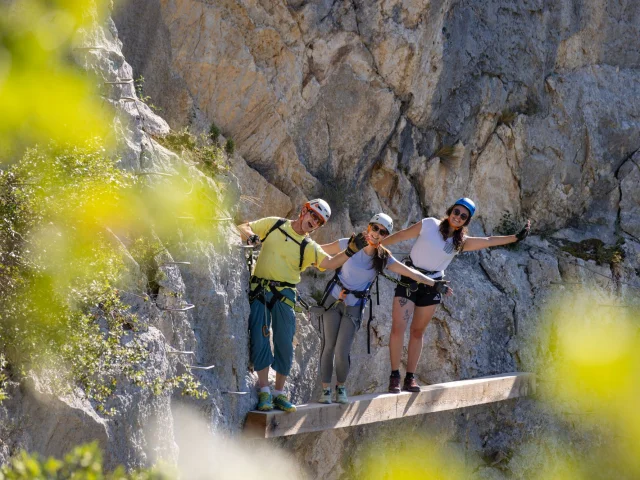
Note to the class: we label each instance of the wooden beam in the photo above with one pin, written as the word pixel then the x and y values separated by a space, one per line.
pixel 379 407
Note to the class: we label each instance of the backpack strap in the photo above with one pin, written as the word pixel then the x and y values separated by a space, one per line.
pixel 278 224
pixel 303 244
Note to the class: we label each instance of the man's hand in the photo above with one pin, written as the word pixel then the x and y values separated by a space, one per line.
pixel 524 233
pixel 356 243
pixel 443 288
pixel 253 240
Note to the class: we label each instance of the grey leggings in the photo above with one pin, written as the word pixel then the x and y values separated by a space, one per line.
pixel 338 331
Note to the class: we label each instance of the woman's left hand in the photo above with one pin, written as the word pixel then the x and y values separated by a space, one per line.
pixel 524 233
pixel 443 288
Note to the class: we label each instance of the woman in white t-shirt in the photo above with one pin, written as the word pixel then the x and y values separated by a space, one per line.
pixel 437 242
pixel 346 296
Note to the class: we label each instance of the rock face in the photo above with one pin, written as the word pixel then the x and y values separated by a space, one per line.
pixel 532 108
pixel 320 93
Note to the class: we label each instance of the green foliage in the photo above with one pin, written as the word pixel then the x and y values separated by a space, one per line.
pixel 507 117
pixel 82 463
pixel 596 250
pixel 139 85
pixel 197 149
pixel 230 146
pixel 43 95
pixel 3 378
pixel 509 224
pixel 448 153
pixel 187 384
pixel 60 309
pixel 317 296
pixel 214 133
pixel 144 250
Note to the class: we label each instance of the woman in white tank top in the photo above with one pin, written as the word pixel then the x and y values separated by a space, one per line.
pixel 437 242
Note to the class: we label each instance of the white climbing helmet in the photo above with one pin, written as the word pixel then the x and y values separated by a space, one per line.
pixel 320 207
pixel 383 219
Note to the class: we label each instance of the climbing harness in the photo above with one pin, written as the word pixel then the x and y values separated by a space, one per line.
pixel 364 295
pixel 264 285
pixel 411 286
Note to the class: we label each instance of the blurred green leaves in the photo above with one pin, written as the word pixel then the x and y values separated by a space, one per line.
pixel 82 463
pixel 43 95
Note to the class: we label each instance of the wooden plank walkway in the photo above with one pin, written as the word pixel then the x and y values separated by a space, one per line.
pixel 379 407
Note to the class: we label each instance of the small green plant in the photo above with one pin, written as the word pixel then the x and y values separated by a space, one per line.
pixel 186 383
pixel 531 105
pixel 317 296
pixel 596 250
pixel 139 86
pixel 84 462
pixel 144 250
pixel 450 152
pixel 507 117
pixel 214 133
pixel 509 224
pixel 3 378
pixel 197 149
pixel 230 146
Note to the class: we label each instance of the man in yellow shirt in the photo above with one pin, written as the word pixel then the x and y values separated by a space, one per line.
pixel 286 252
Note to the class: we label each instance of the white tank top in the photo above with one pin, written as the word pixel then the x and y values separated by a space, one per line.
pixel 431 252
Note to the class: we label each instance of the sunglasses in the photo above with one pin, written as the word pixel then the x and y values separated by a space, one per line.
pixel 458 213
pixel 316 218
pixel 378 229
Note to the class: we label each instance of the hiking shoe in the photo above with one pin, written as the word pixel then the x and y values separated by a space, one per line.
pixel 394 384
pixel 341 394
pixel 410 385
pixel 265 403
pixel 281 402
pixel 325 396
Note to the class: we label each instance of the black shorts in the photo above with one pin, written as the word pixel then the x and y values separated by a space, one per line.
pixel 423 297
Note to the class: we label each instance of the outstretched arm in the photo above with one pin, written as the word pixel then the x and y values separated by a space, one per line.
pixel 407 234
pixel 442 286
pixel 478 243
pixel 356 243
pixel 401 269
pixel 332 248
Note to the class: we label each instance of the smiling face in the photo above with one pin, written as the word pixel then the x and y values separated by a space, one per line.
pixel 310 220
pixel 459 216
pixel 376 233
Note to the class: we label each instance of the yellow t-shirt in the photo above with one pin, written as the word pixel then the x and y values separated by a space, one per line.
pixel 280 256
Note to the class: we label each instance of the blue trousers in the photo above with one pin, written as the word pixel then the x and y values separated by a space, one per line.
pixel 282 320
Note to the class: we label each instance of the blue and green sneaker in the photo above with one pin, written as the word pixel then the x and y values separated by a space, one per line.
pixel 265 403
pixel 281 402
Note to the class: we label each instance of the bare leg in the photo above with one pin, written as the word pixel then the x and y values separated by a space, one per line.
pixel 401 315
pixel 421 318
pixel 263 377
pixel 280 379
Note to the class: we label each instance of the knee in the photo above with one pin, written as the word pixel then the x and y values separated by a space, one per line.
pixel 397 329
pixel 328 351
pixel 417 333
pixel 342 358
